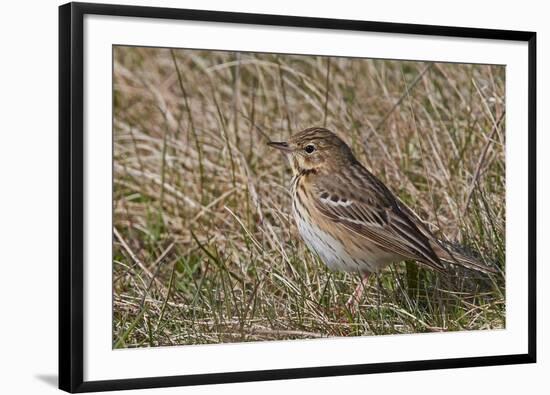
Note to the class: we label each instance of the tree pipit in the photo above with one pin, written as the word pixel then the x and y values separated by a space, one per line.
pixel 351 219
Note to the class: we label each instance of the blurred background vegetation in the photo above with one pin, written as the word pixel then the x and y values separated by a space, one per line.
pixel 205 247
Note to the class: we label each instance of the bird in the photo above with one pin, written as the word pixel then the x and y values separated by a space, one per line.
pixel 351 219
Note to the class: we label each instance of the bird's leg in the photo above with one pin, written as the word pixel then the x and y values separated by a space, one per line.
pixel 355 297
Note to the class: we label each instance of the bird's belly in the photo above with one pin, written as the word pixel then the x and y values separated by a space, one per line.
pixel 336 255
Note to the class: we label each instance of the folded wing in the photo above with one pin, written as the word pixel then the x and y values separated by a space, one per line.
pixel 371 211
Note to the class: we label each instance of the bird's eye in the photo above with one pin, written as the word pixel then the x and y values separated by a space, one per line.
pixel 309 148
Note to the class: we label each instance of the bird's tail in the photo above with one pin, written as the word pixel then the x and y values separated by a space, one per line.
pixel 451 254
pixel 445 251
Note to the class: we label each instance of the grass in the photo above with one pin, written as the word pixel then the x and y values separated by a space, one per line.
pixel 205 248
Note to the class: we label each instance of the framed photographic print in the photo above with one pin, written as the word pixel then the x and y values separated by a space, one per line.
pixel 253 197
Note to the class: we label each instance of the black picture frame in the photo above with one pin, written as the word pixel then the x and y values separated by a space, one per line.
pixel 71 204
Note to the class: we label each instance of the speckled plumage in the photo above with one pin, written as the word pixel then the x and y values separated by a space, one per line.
pixel 349 217
pixel 338 247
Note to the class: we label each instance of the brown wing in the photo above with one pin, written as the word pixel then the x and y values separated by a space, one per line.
pixel 364 205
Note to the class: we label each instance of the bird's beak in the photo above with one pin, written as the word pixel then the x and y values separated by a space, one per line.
pixel 283 146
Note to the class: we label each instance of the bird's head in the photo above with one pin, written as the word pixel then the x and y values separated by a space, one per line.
pixel 315 149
